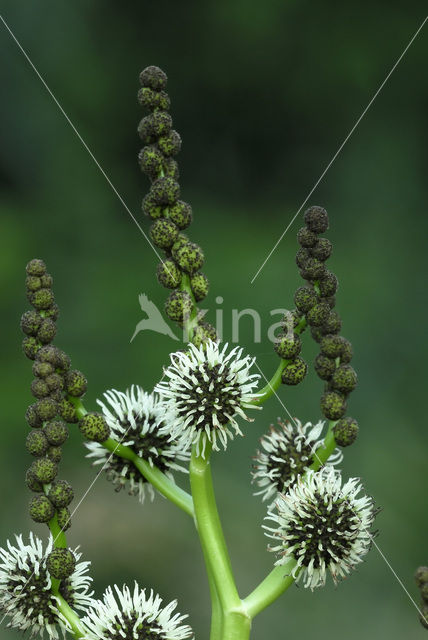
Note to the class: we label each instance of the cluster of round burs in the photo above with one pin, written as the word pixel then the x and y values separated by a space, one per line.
pixel 54 384
pixel 183 258
pixel 421 577
pixel 316 301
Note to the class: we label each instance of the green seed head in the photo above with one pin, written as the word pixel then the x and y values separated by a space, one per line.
pixel 154 126
pixel 306 237
pixel 305 298
pixel 63 362
pixel 67 411
pixel 288 346
pixel 49 354
pixel 302 256
pixel 55 382
pixel 61 493
pixel 41 509
pixel 151 161
pixel 32 483
pixel 32 417
pixel 44 470
pixel 61 563
pixel 316 219
pixel 344 379
pixel 328 284
pixel 36 267
pixel 200 285
pixel 76 383
pixel 203 332
pixel 42 369
pixel 39 388
pixel 165 191
pixel 56 432
pixel 63 517
pixel 345 431
pixel 37 444
pixel 30 322
pixel 47 408
pixel 421 576
pixel 178 306
pixel 313 269
pixel 42 299
pixel 181 214
pixel 47 281
pixel 54 454
pixel 168 274
pixel 333 324
pixel 33 283
pixel 333 405
pixel 151 207
pixel 171 169
pixel 164 233
pixel 294 372
pixel 318 314
pixel 53 312
pixel 324 366
pixel 189 256
pixel 153 99
pixel 30 347
pixel 332 345
pixel 322 249
pixel 347 351
pixel 154 78
pixel 94 427
pixel 47 331
pixel 170 144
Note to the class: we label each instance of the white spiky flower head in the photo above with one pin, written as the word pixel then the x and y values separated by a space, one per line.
pixel 323 525
pixel 139 420
pixel 206 389
pixel 25 588
pixel 126 615
pixel 287 452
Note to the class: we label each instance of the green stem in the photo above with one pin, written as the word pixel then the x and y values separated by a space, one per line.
pixel 190 321
pixel 153 475
pixel 71 616
pixel 324 452
pixel 274 585
pixel 216 610
pixel 78 405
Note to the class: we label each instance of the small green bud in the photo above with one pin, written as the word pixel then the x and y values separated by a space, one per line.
pixel 171 169
pixel 332 345
pixel 61 493
pixel 33 283
pixel 41 509
pixel 324 366
pixel 302 256
pixel 30 322
pixel 42 299
pixel 47 408
pixel 37 443
pixel 55 382
pixel 347 351
pixel 32 417
pixel 151 161
pixel 67 411
pixel 316 219
pixel 318 314
pixel 61 563
pixel 154 125
pixel 54 454
pixel 181 214
pixel 154 78
pixel 32 483
pixel 164 233
pixel 30 347
pixel 36 267
pixel 47 331
pixel 306 237
pixel 328 284
pixel 76 383
pixel 63 361
pixel 345 431
pixel 344 379
pixel 305 298
pixel 333 405
pixel 170 144
pixel 48 353
pixel 151 207
pixel 168 274
pixel 56 432
pixel 294 372
pixel 204 332
pixel 199 284
pixel 153 99
pixel 94 427
pixel 63 517
pixel 333 324
pixel 42 369
pixel 178 306
pixel 47 281
pixel 288 346
pixel 53 312
pixel 313 269
pixel 322 249
pixel 189 256
pixel 421 576
pixel 181 240
pixel 165 191
pixel 317 334
pixel 39 388
pixel 44 470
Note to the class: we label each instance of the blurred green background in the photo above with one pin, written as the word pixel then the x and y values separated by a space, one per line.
pixel 262 94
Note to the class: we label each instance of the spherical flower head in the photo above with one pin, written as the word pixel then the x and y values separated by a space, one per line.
pixel 287 452
pixel 206 388
pixel 94 427
pixel 323 525
pixel 123 614
pixel 154 78
pixel 140 421
pixel 25 588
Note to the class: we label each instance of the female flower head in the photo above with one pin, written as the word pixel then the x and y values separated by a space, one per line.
pixel 25 588
pixel 206 388
pixel 287 452
pixel 322 525
pixel 135 616
pixel 140 421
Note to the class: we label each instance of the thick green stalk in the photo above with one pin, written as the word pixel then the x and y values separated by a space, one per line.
pixel 324 452
pixel 274 585
pixel 71 616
